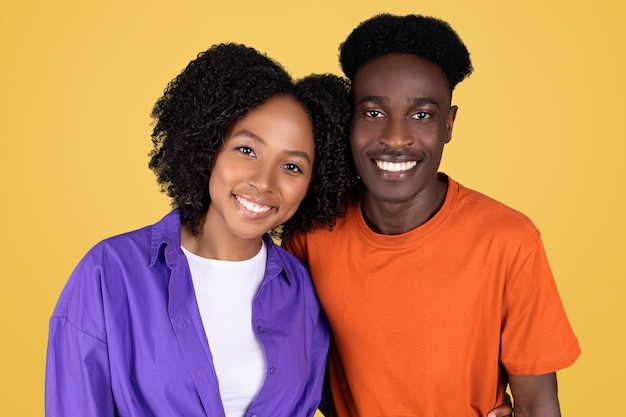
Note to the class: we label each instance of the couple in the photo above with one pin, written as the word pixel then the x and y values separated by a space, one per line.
pixel 436 296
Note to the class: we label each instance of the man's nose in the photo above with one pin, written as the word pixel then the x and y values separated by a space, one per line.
pixel 397 133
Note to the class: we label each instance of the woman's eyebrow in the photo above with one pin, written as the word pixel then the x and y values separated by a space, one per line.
pixel 256 138
pixel 247 133
pixel 299 154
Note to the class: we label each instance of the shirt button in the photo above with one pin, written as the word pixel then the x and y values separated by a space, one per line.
pixel 182 324
pixel 272 370
pixel 261 329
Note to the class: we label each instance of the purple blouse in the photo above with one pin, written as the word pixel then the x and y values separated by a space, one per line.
pixel 126 337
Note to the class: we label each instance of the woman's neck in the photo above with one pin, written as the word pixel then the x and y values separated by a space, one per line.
pixel 213 246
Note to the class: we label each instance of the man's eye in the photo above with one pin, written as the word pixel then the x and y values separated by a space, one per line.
pixel 374 114
pixel 421 115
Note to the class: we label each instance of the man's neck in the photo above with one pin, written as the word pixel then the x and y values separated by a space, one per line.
pixel 397 218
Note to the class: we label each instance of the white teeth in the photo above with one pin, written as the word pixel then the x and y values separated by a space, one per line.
pixel 249 205
pixel 395 166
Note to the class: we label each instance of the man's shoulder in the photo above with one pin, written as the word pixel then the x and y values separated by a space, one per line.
pixel 343 225
pixel 485 202
pixel 479 207
pixel 321 239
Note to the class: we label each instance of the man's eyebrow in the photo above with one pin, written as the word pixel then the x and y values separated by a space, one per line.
pixel 416 101
pixel 373 99
pixel 292 152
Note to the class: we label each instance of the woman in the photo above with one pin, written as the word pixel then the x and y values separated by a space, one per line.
pixel 202 314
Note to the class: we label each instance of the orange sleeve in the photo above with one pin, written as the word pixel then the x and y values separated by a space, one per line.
pixel 537 337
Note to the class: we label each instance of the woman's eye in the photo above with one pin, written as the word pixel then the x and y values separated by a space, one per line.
pixel 245 150
pixel 292 167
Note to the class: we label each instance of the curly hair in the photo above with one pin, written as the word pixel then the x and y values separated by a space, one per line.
pixel 334 181
pixel 198 108
pixel 429 38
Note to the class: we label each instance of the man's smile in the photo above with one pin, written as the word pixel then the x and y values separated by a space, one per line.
pixel 395 166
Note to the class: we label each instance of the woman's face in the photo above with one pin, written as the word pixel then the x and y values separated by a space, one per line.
pixel 263 171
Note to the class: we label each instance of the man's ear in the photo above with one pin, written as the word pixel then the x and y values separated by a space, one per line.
pixel 450 122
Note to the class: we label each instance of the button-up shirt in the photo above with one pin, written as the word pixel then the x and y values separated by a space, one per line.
pixel 126 337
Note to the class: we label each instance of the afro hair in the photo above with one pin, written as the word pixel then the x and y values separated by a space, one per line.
pixel 429 38
pixel 217 89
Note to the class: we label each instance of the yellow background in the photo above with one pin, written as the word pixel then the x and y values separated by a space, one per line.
pixel 539 128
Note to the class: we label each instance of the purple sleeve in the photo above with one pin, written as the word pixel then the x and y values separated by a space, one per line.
pixel 78 383
pixel 78 380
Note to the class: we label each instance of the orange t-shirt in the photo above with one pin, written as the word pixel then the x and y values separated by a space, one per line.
pixel 425 323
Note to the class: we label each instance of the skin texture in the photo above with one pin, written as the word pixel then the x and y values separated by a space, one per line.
pixel 258 180
pixel 402 120
pixel 505 410
pixel 535 395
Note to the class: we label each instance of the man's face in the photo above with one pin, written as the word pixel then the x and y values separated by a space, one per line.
pixel 402 120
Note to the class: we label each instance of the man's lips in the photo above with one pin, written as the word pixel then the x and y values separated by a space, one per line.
pixel 395 166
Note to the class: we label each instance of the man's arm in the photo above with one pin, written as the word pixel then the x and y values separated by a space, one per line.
pixel 505 410
pixel 535 395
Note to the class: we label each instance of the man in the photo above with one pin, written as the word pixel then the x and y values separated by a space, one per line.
pixel 437 295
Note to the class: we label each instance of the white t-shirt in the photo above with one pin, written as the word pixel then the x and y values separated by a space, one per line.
pixel 225 291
